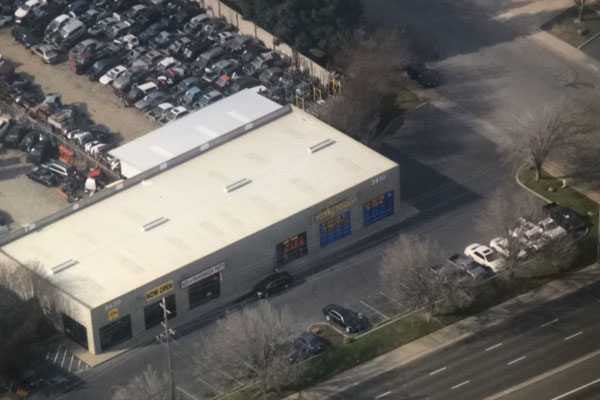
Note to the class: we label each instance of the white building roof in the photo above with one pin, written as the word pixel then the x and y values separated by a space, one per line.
pixel 195 130
pixel 111 255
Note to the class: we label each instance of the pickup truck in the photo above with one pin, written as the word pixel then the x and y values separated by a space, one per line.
pixel 565 217
pixel 468 265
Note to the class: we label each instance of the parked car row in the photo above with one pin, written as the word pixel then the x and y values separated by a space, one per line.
pixel 40 137
pixel 164 61
pixel 526 239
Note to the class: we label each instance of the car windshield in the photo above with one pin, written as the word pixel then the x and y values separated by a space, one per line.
pixel 491 257
pixel 25 7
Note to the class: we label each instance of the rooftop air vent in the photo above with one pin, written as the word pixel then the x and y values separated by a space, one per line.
pixel 237 185
pixel 321 145
pixel 63 266
pixel 154 223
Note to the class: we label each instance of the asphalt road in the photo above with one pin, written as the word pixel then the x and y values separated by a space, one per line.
pixel 496 359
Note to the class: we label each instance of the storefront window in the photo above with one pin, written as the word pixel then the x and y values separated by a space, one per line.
pixel 335 229
pixel 75 331
pixel 378 208
pixel 115 332
pixel 291 248
pixel 205 290
pixel 153 314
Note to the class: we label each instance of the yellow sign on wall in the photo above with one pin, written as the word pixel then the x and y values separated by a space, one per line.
pixel 113 314
pixel 159 290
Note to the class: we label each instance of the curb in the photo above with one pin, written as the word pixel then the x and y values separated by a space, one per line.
pixel 527 188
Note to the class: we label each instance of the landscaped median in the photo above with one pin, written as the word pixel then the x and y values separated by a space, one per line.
pixel 352 351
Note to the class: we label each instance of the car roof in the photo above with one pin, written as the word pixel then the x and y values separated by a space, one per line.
pixel 147 85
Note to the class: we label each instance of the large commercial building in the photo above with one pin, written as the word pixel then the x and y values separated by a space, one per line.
pixel 201 233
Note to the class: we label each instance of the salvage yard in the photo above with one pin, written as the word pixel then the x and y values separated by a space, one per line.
pixel 21 199
pixel 100 102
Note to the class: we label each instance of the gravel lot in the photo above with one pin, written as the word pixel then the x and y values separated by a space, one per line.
pixel 100 102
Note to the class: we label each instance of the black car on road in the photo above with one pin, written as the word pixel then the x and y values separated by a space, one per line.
pixel 351 321
pixel 423 75
pixel 272 284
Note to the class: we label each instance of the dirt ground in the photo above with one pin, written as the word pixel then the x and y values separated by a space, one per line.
pixel 22 200
pixel 103 106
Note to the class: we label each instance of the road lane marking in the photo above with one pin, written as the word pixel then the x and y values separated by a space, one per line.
pixel 573 335
pixel 374 309
pixel 562 396
pixel 437 371
pixel 383 394
pixel 543 376
pixel 516 360
pixel 186 393
pixel 493 347
pixel 459 385
pixel 550 323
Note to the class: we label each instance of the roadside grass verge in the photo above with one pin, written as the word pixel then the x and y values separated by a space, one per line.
pixel 564 26
pixel 568 197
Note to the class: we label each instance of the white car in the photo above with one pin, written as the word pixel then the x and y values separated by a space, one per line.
pixel 174 114
pixel 551 229
pixel 485 256
pixel 111 75
pixel 500 245
pixel 26 8
pixel 129 41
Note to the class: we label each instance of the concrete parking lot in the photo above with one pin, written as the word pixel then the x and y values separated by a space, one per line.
pixel 99 101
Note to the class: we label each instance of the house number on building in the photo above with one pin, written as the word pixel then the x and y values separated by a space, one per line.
pixel 377 179
pixel 112 304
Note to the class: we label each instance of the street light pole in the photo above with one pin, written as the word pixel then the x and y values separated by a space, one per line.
pixel 167 336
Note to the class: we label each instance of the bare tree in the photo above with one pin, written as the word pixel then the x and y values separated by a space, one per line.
pixel 368 64
pixel 406 270
pixel 148 385
pixel 503 215
pixel 251 344
pixel 539 134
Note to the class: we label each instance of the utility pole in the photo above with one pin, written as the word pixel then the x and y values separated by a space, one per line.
pixel 167 337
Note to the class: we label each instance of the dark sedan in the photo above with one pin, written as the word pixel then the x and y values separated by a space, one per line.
pixel 424 76
pixel 272 284
pixel 351 321
pixel 25 36
pixel 44 176
pixel 151 100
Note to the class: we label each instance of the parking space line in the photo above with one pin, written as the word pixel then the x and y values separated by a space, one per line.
pixel 374 309
pixel 63 359
pixel 549 323
pixel 392 300
pixel 209 385
pixel 516 360
pixel 573 335
pixel 71 363
pixel 79 363
pixel 47 355
pixel 187 393
pixel 459 385
pixel 383 394
pixel 55 357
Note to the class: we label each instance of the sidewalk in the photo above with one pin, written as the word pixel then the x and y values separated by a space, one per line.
pixel 451 334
